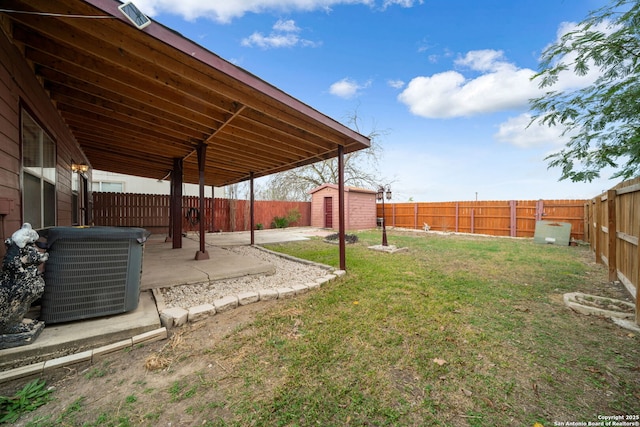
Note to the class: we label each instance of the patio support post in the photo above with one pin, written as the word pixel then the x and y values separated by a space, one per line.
pixel 212 220
pixel 169 237
pixel 342 226
pixel 251 211
pixel 176 203
pixel 202 254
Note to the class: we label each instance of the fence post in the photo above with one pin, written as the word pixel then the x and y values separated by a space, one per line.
pixel 597 225
pixel 457 216
pixel 638 283
pixel 473 220
pixel 513 223
pixel 393 214
pixel 588 223
pixel 613 237
pixel 415 216
pixel 539 210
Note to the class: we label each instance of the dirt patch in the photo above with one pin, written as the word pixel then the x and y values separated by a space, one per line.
pixel 146 377
pixel 199 377
pixel 335 238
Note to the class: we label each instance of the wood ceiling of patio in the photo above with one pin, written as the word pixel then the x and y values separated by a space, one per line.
pixel 137 99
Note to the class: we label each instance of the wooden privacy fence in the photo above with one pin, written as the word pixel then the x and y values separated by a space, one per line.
pixel 613 231
pixel 151 211
pixel 516 218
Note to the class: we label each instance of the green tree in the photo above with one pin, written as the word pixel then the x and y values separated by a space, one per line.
pixel 602 120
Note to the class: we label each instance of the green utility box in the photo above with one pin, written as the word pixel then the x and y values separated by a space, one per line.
pixel 552 233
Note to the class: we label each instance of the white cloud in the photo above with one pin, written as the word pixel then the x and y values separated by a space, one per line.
pixel 347 88
pixel 401 3
pixel 396 84
pixel 502 86
pixel 284 34
pixel 270 41
pixel 288 26
pixel 225 11
pixel 483 60
pixel 519 132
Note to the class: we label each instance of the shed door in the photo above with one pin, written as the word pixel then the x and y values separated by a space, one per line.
pixel 328 212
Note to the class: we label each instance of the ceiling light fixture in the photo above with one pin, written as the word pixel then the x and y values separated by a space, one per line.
pixel 80 168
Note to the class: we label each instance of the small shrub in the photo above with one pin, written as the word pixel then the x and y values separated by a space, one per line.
pixel 32 395
pixel 259 226
pixel 293 215
pixel 284 221
pixel 279 222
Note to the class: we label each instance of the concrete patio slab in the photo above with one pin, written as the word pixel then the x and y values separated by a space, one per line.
pixel 162 267
pixel 56 340
pixel 263 237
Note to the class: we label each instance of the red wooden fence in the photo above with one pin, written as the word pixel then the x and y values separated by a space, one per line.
pixel 516 218
pixel 151 211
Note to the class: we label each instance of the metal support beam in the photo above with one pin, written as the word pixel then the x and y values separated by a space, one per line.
pixel 251 211
pixel 342 226
pixel 212 222
pixel 202 254
pixel 176 203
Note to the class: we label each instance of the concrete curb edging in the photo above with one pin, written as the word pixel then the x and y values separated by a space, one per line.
pixel 177 316
pixel 574 300
pixel 89 357
pixel 292 258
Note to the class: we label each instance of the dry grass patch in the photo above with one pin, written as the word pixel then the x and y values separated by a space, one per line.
pixel 457 331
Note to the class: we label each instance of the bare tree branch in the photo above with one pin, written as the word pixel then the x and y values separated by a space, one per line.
pixel 360 170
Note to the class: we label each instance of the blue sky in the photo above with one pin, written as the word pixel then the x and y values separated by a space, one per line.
pixel 446 81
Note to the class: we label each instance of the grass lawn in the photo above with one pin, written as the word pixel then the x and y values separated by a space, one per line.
pixel 456 331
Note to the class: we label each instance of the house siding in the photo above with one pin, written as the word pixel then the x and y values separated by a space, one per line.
pixel 360 207
pixel 19 88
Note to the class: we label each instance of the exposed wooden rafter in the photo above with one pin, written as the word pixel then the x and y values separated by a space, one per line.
pixel 136 100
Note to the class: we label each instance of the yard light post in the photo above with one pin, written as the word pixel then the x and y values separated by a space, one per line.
pixel 382 193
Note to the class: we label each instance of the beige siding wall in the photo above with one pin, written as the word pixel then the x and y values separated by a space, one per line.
pixel 20 88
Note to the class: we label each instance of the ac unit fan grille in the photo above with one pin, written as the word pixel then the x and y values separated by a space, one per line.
pixel 86 278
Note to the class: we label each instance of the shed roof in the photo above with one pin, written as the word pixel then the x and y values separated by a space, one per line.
pixel 335 187
pixel 135 100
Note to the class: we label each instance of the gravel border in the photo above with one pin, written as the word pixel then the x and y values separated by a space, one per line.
pixel 178 305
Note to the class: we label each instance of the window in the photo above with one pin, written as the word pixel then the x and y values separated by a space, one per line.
pixel 78 198
pixel 75 199
pixel 107 186
pixel 38 175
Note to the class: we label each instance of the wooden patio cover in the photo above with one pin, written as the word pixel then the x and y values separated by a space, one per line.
pixel 136 100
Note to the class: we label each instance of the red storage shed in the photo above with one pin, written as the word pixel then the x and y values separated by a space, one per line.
pixel 359 209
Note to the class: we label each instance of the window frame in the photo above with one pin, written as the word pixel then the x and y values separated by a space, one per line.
pixel 45 174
